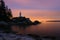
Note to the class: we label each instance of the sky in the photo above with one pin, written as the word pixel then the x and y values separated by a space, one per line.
pixel 41 10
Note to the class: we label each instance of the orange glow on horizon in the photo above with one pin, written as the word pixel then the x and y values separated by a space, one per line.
pixel 40 15
pixel 39 19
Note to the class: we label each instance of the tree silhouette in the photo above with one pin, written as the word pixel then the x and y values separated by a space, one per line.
pixel 8 12
pixel 5 13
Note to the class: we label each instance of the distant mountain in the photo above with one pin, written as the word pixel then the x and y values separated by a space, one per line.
pixel 53 21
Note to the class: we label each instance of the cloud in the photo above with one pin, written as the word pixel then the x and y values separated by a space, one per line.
pixel 41 15
pixel 37 13
pixel 41 9
pixel 34 4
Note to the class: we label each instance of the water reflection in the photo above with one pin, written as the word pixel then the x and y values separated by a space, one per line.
pixel 50 29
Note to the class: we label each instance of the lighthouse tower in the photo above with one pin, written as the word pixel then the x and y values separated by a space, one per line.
pixel 20 15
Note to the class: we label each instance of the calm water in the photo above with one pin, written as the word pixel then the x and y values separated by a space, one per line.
pixel 45 29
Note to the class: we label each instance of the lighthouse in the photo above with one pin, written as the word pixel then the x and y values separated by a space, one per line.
pixel 20 14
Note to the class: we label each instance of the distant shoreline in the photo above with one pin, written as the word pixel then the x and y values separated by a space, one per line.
pixel 53 21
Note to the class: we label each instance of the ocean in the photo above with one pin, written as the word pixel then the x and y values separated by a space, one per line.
pixel 45 29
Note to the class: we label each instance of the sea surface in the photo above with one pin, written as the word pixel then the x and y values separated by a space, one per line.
pixel 50 29
pixel 45 29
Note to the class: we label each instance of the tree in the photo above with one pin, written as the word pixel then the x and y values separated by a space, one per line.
pixel 5 13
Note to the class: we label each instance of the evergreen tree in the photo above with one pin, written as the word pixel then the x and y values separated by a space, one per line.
pixel 8 12
pixel 5 13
